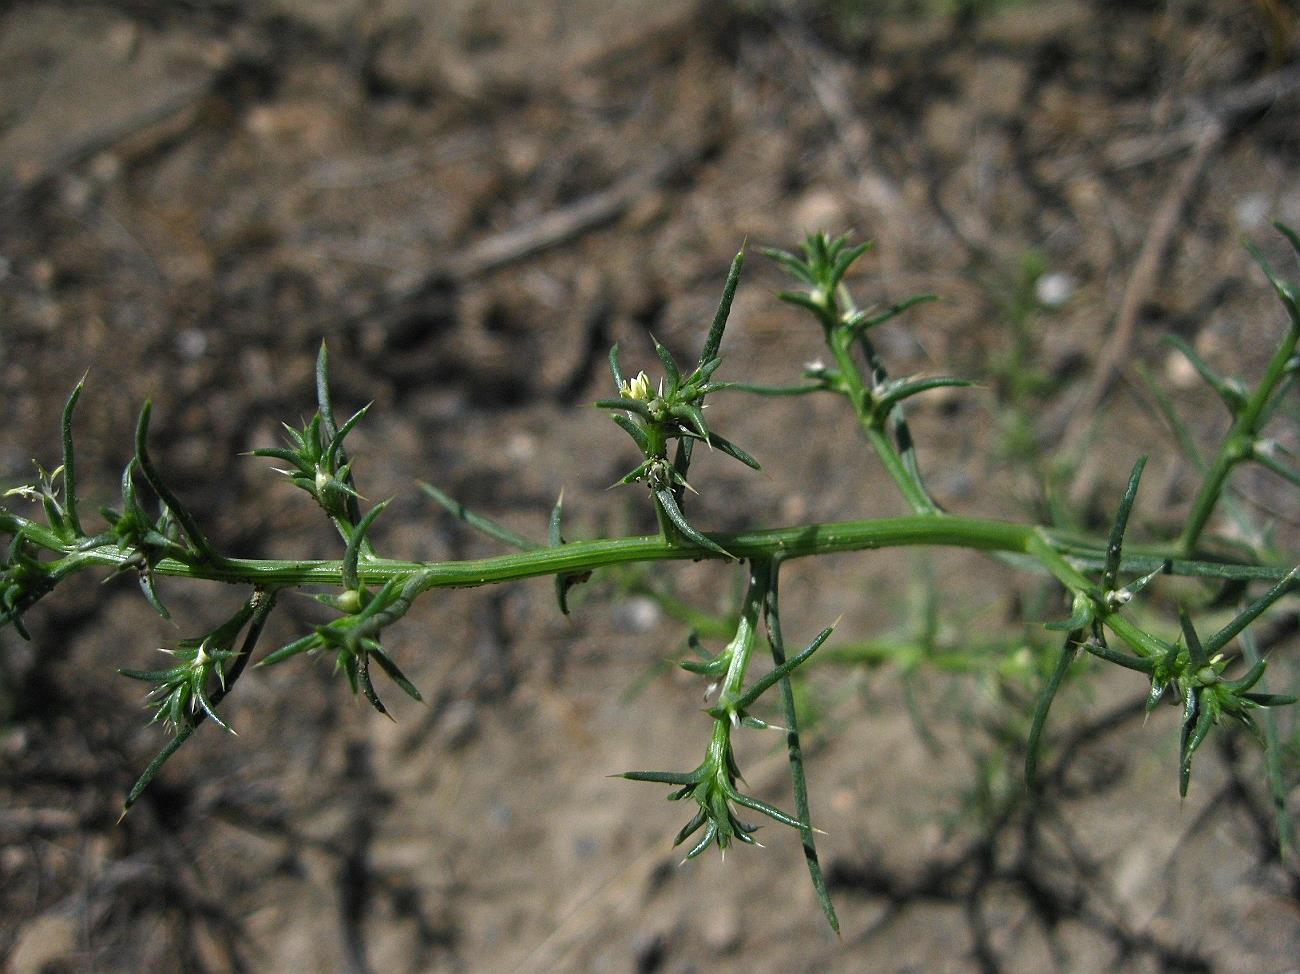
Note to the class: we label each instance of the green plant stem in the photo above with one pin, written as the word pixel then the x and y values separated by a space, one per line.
pixel 742 645
pixel 1239 444
pixel 582 556
pixel 794 751
pixel 1076 582
pixel 873 424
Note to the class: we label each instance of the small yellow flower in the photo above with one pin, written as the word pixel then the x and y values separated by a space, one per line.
pixel 638 388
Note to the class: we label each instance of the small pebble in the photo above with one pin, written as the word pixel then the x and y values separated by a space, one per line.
pixel 639 613
pixel 1054 289
pixel 1251 211
pixel 191 344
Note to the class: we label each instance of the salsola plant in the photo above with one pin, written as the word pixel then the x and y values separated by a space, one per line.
pixel 1214 676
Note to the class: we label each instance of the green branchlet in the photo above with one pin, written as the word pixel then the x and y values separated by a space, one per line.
pixel 368 593
pixel 1250 409
pixel 180 691
pixel 876 399
pixel 674 410
pixel 712 785
pixel 1192 670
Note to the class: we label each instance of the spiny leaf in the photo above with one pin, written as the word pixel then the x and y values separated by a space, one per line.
pixel 862 321
pixel 1197 719
pixel 690 827
pixel 1252 612
pixel 781 671
pixel 896 392
pixel 1044 705
pixel 801 299
pixel 614 367
pixel 713 341
pixel 1082 614
pixel 479 522
pixel 670 367
pixel 625 405
pixel 198 540
pixel 352 553
pixel 669 505
pixel 299 645
pixel 69 464
pixel 1233 397
pixel 663 777
pixel 771 811
pixel 333 452
pixel 1196 654
pixel 563 581
pixel 845 259
pixel 633 430
pixel 793 266
pixel 794 751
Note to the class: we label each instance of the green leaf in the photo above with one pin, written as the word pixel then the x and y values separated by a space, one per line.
pixel 201 694
pixel 713 341
pixel 1249 679
pixel 792 265
pixel 630 427
pixel 198 540
pixel 563 581
pixel 1251 612
pixel 896 392
pixel 862 321
pixel 325 409
pixel 663 777
pixel 801 299
pixel 771 811
pixel 634 474
pixel 299 645
pixel 693 417
pixel 352 553
pixel 1082 614
pixel 1197 720
pixel 710 833
pixel 1285 292
pixel 775 390
pixel 360 664
pixel 670 368
pixel 334 452
pixel 69 462
pixel 1044 705
pixel 1232 395
pixel 690 827
pixel 844 260
pixel 183 732
pixel 781 671
pixel 668 504
pixel 479 522
pixel 1269 699
pixel 1115 546
pixel 626 405
pixel 150 593
pixel 1290 235
pixel 1196 654
pixel 1142 664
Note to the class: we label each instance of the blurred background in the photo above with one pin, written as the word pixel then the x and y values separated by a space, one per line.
pixel 471 201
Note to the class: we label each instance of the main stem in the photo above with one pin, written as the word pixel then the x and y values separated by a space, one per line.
pixel 583 556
